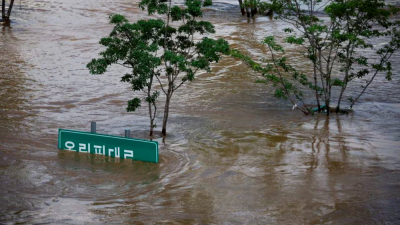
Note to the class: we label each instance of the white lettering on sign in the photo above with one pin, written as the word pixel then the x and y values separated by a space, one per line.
pixel 99 149
pixel 82 147
pixel 70 145
pixel 128 153
pixel 115 150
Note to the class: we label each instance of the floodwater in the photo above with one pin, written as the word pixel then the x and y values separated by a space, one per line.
pixel 234 154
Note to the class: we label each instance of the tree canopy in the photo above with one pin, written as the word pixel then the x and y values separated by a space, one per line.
pixel 165 51
pixel 333 47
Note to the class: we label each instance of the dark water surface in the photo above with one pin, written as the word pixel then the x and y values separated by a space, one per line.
pixel 234 154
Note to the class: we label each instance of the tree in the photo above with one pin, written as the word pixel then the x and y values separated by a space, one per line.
pixel 3 9
pixel 161 51
pixel 133 46
pixel 5 16
pixel 332 47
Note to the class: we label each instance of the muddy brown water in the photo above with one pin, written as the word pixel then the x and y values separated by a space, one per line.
pixel 234 154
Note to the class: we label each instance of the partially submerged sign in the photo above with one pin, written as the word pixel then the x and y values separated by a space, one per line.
pixel 108 145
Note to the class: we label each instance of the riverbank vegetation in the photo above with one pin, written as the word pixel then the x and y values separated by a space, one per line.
pixel 334 46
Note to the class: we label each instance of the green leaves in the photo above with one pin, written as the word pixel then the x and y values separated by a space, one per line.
pixel 156 48
pixel 285 78
pixel 336 47
pixel 207 3
pixel 133 105
pixel 154 6
pixel 270 41
pixel 193 26
pixel 176 13
pixel 98 66
pixel 152 98
pixel 117 19
pixel 134 46
pixel 317 28
pixel 211 49
pixel 194 8
pixel 294 40
pixel 337 82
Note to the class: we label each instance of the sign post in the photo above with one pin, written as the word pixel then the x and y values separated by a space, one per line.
pixel 108 145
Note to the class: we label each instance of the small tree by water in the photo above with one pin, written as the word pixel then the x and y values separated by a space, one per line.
pixel 160 51
pixel 333 47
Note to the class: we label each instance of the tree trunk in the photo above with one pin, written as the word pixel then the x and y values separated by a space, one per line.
pixel 340 98
pixel 346 77
pixel 3 9
pixel 328 108
pixel 166 112
pixel 253 12
pixel 241 7
pixel 248 12
pixel 316 91
pixel 270 13
pixel 9 9
pixel 328 101
pixel 328 95
pixel 151 130
pixel 151 120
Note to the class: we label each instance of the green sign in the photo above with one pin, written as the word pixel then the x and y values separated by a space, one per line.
pixel 113 146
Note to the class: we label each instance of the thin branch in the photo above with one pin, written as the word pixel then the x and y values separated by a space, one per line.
pixel 282 82
pixel 324 5
pixel 182 82
pixel 124 65
pixel 147 93
pixel 155 110
pixel 383 60
pixel 162 87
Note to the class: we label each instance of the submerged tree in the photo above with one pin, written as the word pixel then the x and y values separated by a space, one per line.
pixel 333 48
pixel 164 51
pixel 6 16
pixel 252 7
pixel 133 46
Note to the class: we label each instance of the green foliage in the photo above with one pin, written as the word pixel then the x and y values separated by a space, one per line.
pixel 176 13
pixel 153 97
pixel 154 6
pixel 332 45
pixel 295 40
pixel 250 3
pixel 133 104
pixel 207 3
pixel 286 79
pixel 270 41
pixel 337 82
pixel 263 7
pixel 157 50
pixel 134 46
